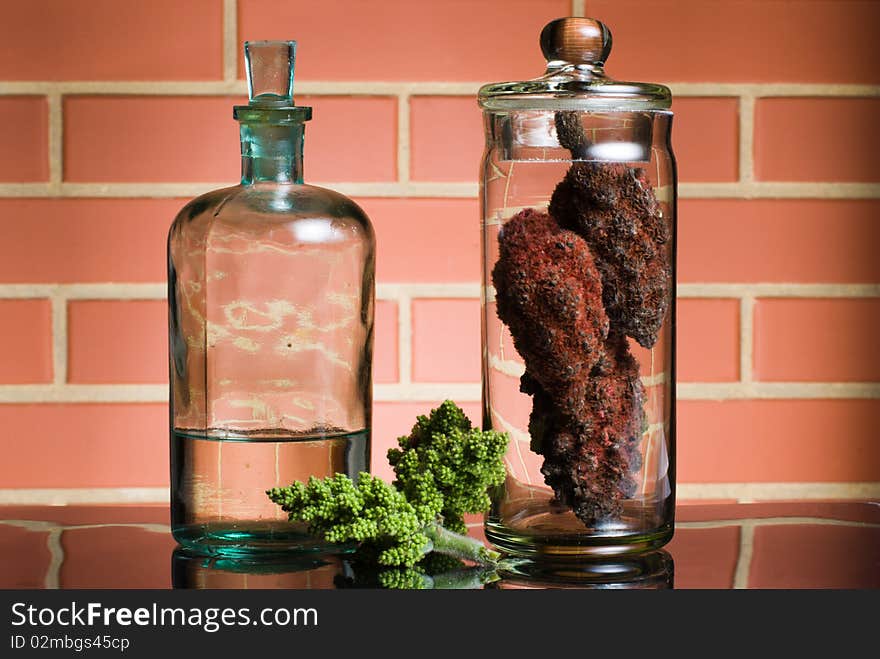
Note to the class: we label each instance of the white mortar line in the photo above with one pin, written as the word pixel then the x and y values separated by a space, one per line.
pixel 777 491
pixel 403 138
pixel 690 492
pixel 157 291
pixel 56 558
pixel 744 560
pixel 84 393
pixel 404 348
pixel 427 290
pixel 775 521
pixel 56 142
pixel 59 338
pixel 386 88
pixel 76 496
pixel 746 138
pixel 187 190
pixel 759 290
pixel 100 291
pixel 464 190
pixel 719 391
pixel 773 89
pixel 468 392
pixel 746 337
pixel 778 190
pixel 30 524
pixel 469 290
pixel 230 40
pixel 50 526
pixel 27 189
pixel 144 526
pixel 426 391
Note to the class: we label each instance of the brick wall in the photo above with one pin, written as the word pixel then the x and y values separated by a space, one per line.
pixel 109 127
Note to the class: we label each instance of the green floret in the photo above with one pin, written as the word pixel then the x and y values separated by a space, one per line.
pixel 374 514
pixel 404 579
pixel 435 571
pixel 445 466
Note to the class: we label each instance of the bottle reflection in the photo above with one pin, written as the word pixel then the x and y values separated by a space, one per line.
pixel 296 571
pixel 648 571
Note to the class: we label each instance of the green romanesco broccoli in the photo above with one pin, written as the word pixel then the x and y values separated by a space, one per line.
pixel 377 516
pixel 445 466
pixel 434 571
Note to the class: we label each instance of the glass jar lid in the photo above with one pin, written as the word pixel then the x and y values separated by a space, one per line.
pixel 576 50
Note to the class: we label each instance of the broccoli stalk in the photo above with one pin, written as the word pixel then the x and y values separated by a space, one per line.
pixel 445 466
pixel 378 517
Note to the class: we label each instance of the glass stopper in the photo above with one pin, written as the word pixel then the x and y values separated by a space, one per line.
pixel 576 41
pixel 270 71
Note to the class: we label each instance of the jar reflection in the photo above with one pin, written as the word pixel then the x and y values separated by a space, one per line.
pixel 648 571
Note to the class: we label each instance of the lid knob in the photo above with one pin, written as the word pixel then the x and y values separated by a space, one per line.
pixel 576 41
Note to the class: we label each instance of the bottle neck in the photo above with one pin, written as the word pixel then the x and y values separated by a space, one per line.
pixel 271 153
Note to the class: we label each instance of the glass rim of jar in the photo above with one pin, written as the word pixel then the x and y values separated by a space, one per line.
pixel 574 95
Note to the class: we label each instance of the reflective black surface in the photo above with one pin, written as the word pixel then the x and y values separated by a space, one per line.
pixel 756 545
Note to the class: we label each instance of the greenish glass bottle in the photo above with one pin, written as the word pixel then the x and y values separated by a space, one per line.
pixel 271 301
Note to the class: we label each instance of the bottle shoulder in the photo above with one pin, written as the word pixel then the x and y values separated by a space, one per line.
pixel 271 204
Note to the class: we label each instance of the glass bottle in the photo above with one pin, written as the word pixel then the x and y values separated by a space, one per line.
pixel 271 299
pixel 578 191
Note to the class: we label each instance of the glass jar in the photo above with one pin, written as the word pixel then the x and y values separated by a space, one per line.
pixel 271 298
pixel 578 191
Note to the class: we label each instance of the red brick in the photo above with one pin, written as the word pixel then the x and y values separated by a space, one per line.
pixel 447 138
pixel 708 340
pixel 392 420
pixel 182 139
pixel 705 558
pixel 426 240
pixel 24 139
pixel 25 557
pixel 385 366
pixel 778 441
pixel 815 556
pixel 743 40
pixel 351 139
pixel 403 40
pixel 117 341
pixel 830 340
pixel 26 348
pixel 111 40
pixel 84 445
pixel 770 240
pixel 705 138
pixel 150 139
pixel 116 557
pixel 446 340
pixel 84 240
pixel 817 139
